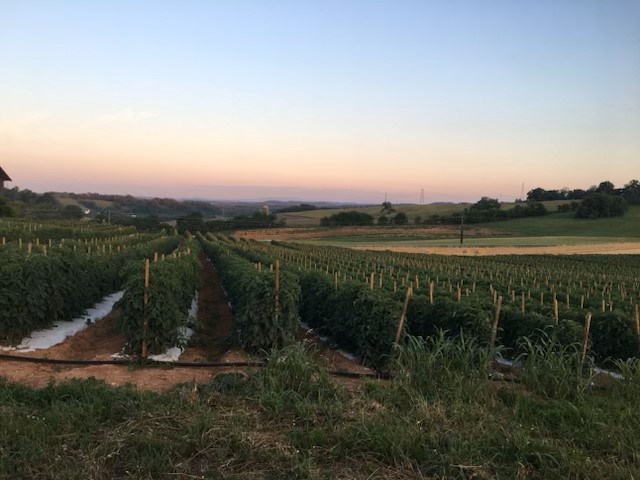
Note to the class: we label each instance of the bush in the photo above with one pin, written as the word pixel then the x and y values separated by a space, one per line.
pixel 602 205
pixel 347 218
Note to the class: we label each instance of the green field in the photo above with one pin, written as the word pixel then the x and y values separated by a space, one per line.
pixel 64 201
pixel 552 229
pixel 561 224
pixel 312 217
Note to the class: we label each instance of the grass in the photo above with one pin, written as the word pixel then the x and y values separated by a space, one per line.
pixel 552 229
pixel 564 224
pixel 440 418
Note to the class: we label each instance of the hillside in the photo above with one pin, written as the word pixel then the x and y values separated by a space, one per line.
pixel 312 217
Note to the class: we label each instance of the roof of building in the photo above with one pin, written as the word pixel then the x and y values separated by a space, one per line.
pixel 3 176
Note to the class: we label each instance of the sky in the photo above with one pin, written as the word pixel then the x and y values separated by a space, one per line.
pixel 319 100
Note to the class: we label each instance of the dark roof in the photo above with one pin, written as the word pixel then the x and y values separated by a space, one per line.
pixel 3 176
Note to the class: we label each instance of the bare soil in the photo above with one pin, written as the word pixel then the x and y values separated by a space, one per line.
pixel 213 336
pixel 584 249
pixel 382 232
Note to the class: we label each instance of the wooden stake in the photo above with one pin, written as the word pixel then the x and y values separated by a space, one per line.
pixel 555 310
pixel 585 335
pixel 522 303
pixel 277 290
pixel 371 281
pixel 402 315
pixel 145 319
pixel 638 325
pixel 430 293
pixel 494 326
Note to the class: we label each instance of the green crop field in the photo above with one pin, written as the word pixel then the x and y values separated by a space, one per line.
pixel 431 326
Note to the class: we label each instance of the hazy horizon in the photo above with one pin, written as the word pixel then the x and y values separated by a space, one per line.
pixel 319 101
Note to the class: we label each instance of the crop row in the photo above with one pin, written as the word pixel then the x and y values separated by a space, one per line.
pixel 28 231
pixel 356 296
pixel 37 289
pixel 153 310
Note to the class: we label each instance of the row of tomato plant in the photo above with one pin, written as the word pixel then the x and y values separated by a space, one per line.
pixel 337 295
pixel 160 321
pixel 29 231
pixel 36 289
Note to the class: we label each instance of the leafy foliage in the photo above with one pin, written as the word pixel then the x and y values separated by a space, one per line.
pixel 264 317
pixel 172 283
pixel 38 289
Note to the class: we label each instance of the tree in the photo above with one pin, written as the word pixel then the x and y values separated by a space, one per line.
pixel 192 222
pixel 631 192
pixel 602 205
pixel 605 187
pixel 73 212
pixel 5 209
pixel 387 207
pixel 347 218
pixel 382 220
pixel 486 203
pixel 400 218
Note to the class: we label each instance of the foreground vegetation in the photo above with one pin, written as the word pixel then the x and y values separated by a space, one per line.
pixel 439 418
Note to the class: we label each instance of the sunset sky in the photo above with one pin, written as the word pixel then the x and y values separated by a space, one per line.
pixel 319 100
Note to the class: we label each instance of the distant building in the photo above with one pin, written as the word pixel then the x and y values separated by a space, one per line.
pixel 265 209
pixel 3 178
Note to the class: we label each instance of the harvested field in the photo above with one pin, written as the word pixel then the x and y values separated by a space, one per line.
pixel 586 249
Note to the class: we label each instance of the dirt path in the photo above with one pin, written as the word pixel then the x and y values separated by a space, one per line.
pixel 213 336
pixel 599 248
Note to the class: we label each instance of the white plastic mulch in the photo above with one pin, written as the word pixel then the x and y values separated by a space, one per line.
pixel 43 339
pixel 344 353
pixel 173 354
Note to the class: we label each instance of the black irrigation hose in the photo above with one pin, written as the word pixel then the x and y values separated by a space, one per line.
pixel 55 361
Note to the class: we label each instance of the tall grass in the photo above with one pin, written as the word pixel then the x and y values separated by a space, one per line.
pixel 292 380
pixel 442 366
pixel 553 369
